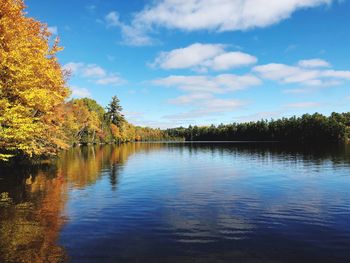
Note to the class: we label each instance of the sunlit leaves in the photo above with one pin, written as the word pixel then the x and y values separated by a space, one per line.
pixel 32 85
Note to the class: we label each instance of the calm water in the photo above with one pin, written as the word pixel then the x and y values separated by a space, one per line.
pixel 177 202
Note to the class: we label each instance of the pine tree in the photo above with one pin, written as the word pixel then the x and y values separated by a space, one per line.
pixel 114 114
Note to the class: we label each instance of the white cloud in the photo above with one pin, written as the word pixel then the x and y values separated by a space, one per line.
pixel 232 60
pixel 314 63
pixel 188 57
pixel 190 83
pixel 142 119
pixel 132 35
pixel 73 67
pixel 299 90
pixel 304 105
pixel 342 74
pixel 219 84
pixel 276 71
pixel 286 74
pixel 217 15
pixel 190 98
pixel 200 92
pixel 86 70
pixel 201 57
pixel 93 73
pixel 80 92
pixel 232 82
pixel 112 19
pixel 205 108
pixel 221 105
pixel 53 30
pixel 110 80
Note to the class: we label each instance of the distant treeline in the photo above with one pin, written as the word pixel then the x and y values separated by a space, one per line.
pixel 307 128
pixel 86 122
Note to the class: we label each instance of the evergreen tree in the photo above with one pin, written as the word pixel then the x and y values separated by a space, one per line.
pixel 114 114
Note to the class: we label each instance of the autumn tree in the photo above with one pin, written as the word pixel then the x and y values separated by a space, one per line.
pixel 82 121
pixel 32 86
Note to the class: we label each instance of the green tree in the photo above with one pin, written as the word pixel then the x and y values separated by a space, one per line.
pixel 114 114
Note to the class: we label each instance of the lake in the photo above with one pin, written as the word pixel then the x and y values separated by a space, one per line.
pixel 180 202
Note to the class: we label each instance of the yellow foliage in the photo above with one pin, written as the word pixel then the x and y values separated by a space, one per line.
pixel 32 85
pixel 78 119
pixel 115 131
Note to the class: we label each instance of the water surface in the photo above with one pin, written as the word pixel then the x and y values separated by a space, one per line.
pixel 180 202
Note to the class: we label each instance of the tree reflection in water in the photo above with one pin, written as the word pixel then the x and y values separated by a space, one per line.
pixel 33 199
pixel 30 222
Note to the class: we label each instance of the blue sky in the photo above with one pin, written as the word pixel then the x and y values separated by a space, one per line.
pixel 181 62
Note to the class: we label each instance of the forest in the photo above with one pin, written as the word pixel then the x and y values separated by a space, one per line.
pixel 307 128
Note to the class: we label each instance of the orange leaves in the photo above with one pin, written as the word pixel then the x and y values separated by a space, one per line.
pixel 32 85
pixel 115 131
pixel 79 120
